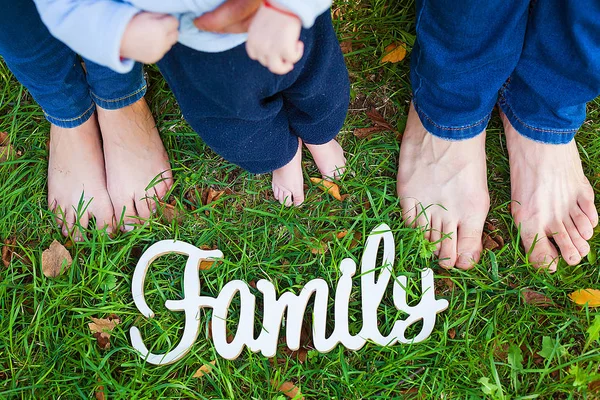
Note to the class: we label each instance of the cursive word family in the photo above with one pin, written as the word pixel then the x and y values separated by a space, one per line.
pixel 374 282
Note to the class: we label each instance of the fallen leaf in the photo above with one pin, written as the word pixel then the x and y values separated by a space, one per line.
pixel 451 333
pixel 346 46
pixel 289 389
pixel 341 234
pixel 365 133
pixel 394 53
pixel 320 248
pixel 206 264
pixel 489 243
pixel 4 138
pixel 7 251
pixel 100 393
pixel 101 329
pixel 328 186
pixel 212 195
pixel 55 260
pixel 355 240
pixel 536 298
pixel 170 213
pixel 205 369
pixel 591 297
pixel 379 120
pixel 594 386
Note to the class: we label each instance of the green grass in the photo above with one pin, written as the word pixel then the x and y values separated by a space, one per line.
pixel 47 351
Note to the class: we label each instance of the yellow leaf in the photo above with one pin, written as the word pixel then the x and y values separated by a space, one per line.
pixel 205 369
pixel 394 53
pixel 591 297
pixel 328 187
pixel 206 263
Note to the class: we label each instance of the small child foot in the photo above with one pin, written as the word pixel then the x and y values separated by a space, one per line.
pixel 288 186
pixel 330 159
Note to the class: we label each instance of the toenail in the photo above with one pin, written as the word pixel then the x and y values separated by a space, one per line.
pixel 465 259
pixel 127 228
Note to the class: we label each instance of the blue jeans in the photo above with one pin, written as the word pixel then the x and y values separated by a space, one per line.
pixel 539 61
pixel 53 73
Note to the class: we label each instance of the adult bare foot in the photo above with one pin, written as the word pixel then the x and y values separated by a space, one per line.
pixel 137 165
pixel 442 187
pixel 76 179
pixel 552 199
pixel 329 158
pixel 288 186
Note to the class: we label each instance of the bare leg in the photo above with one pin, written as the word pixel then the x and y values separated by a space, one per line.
pixel 76 172
pixel 442 187
pixel 552 199
pixel 137 165
pixel 329 157
pixel 288 186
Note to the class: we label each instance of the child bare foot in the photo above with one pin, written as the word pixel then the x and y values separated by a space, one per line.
pixel 75 173
pixel 137 165
pixel 288 185
pixel 552 199
pixel 448 180
pixel 330 159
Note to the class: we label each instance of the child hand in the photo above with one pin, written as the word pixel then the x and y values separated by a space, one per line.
pixel 149 36
pixel 273 40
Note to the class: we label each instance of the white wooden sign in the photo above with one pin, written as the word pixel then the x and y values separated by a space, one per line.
pixel 374 282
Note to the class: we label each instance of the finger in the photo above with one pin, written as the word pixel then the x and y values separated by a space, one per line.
pixel 230 13
pixel 278 66
pixel 294 55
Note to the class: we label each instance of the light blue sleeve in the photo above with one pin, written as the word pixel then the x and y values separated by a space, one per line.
pixel 92 28
pixel 307 10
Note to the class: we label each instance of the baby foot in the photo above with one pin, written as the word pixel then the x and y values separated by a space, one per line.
pixel 137 165
pixel 552 199
pixel 442 187
pixel 76 179
pixel 288 186
pixel 330 159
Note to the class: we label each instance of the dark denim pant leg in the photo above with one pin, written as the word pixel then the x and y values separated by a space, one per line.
pixel 558 72
pixel 463 54
pixel 46 67
pixel 317 100
pixel 111 90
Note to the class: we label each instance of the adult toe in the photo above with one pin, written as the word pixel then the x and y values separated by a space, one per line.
pixel 447 257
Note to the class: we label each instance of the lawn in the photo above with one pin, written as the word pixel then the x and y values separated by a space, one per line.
pixel 509 331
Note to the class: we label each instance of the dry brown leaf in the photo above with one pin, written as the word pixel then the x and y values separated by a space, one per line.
pixel 379 120
pixel 55 260
pixel 355 240
pixel 205 369
pixel 4 138
pixel 451 333
pixel 7 251
pixel 346 46
pixel 329 187
pixel 320 248
pixel 594 386
pixel 170 213
pixel 100 393
pixel 591 297
pixel 365 133
pixel 288 389
pixel 212 195
pixel 489 243
pixel 101 329
pixel 206 264
pixel 341 234
pixel 394 53
pixel 536 298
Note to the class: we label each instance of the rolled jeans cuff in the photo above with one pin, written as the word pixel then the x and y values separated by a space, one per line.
pixel 453 133
pixel 120 102
pixel 72 122
pixel 541 135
